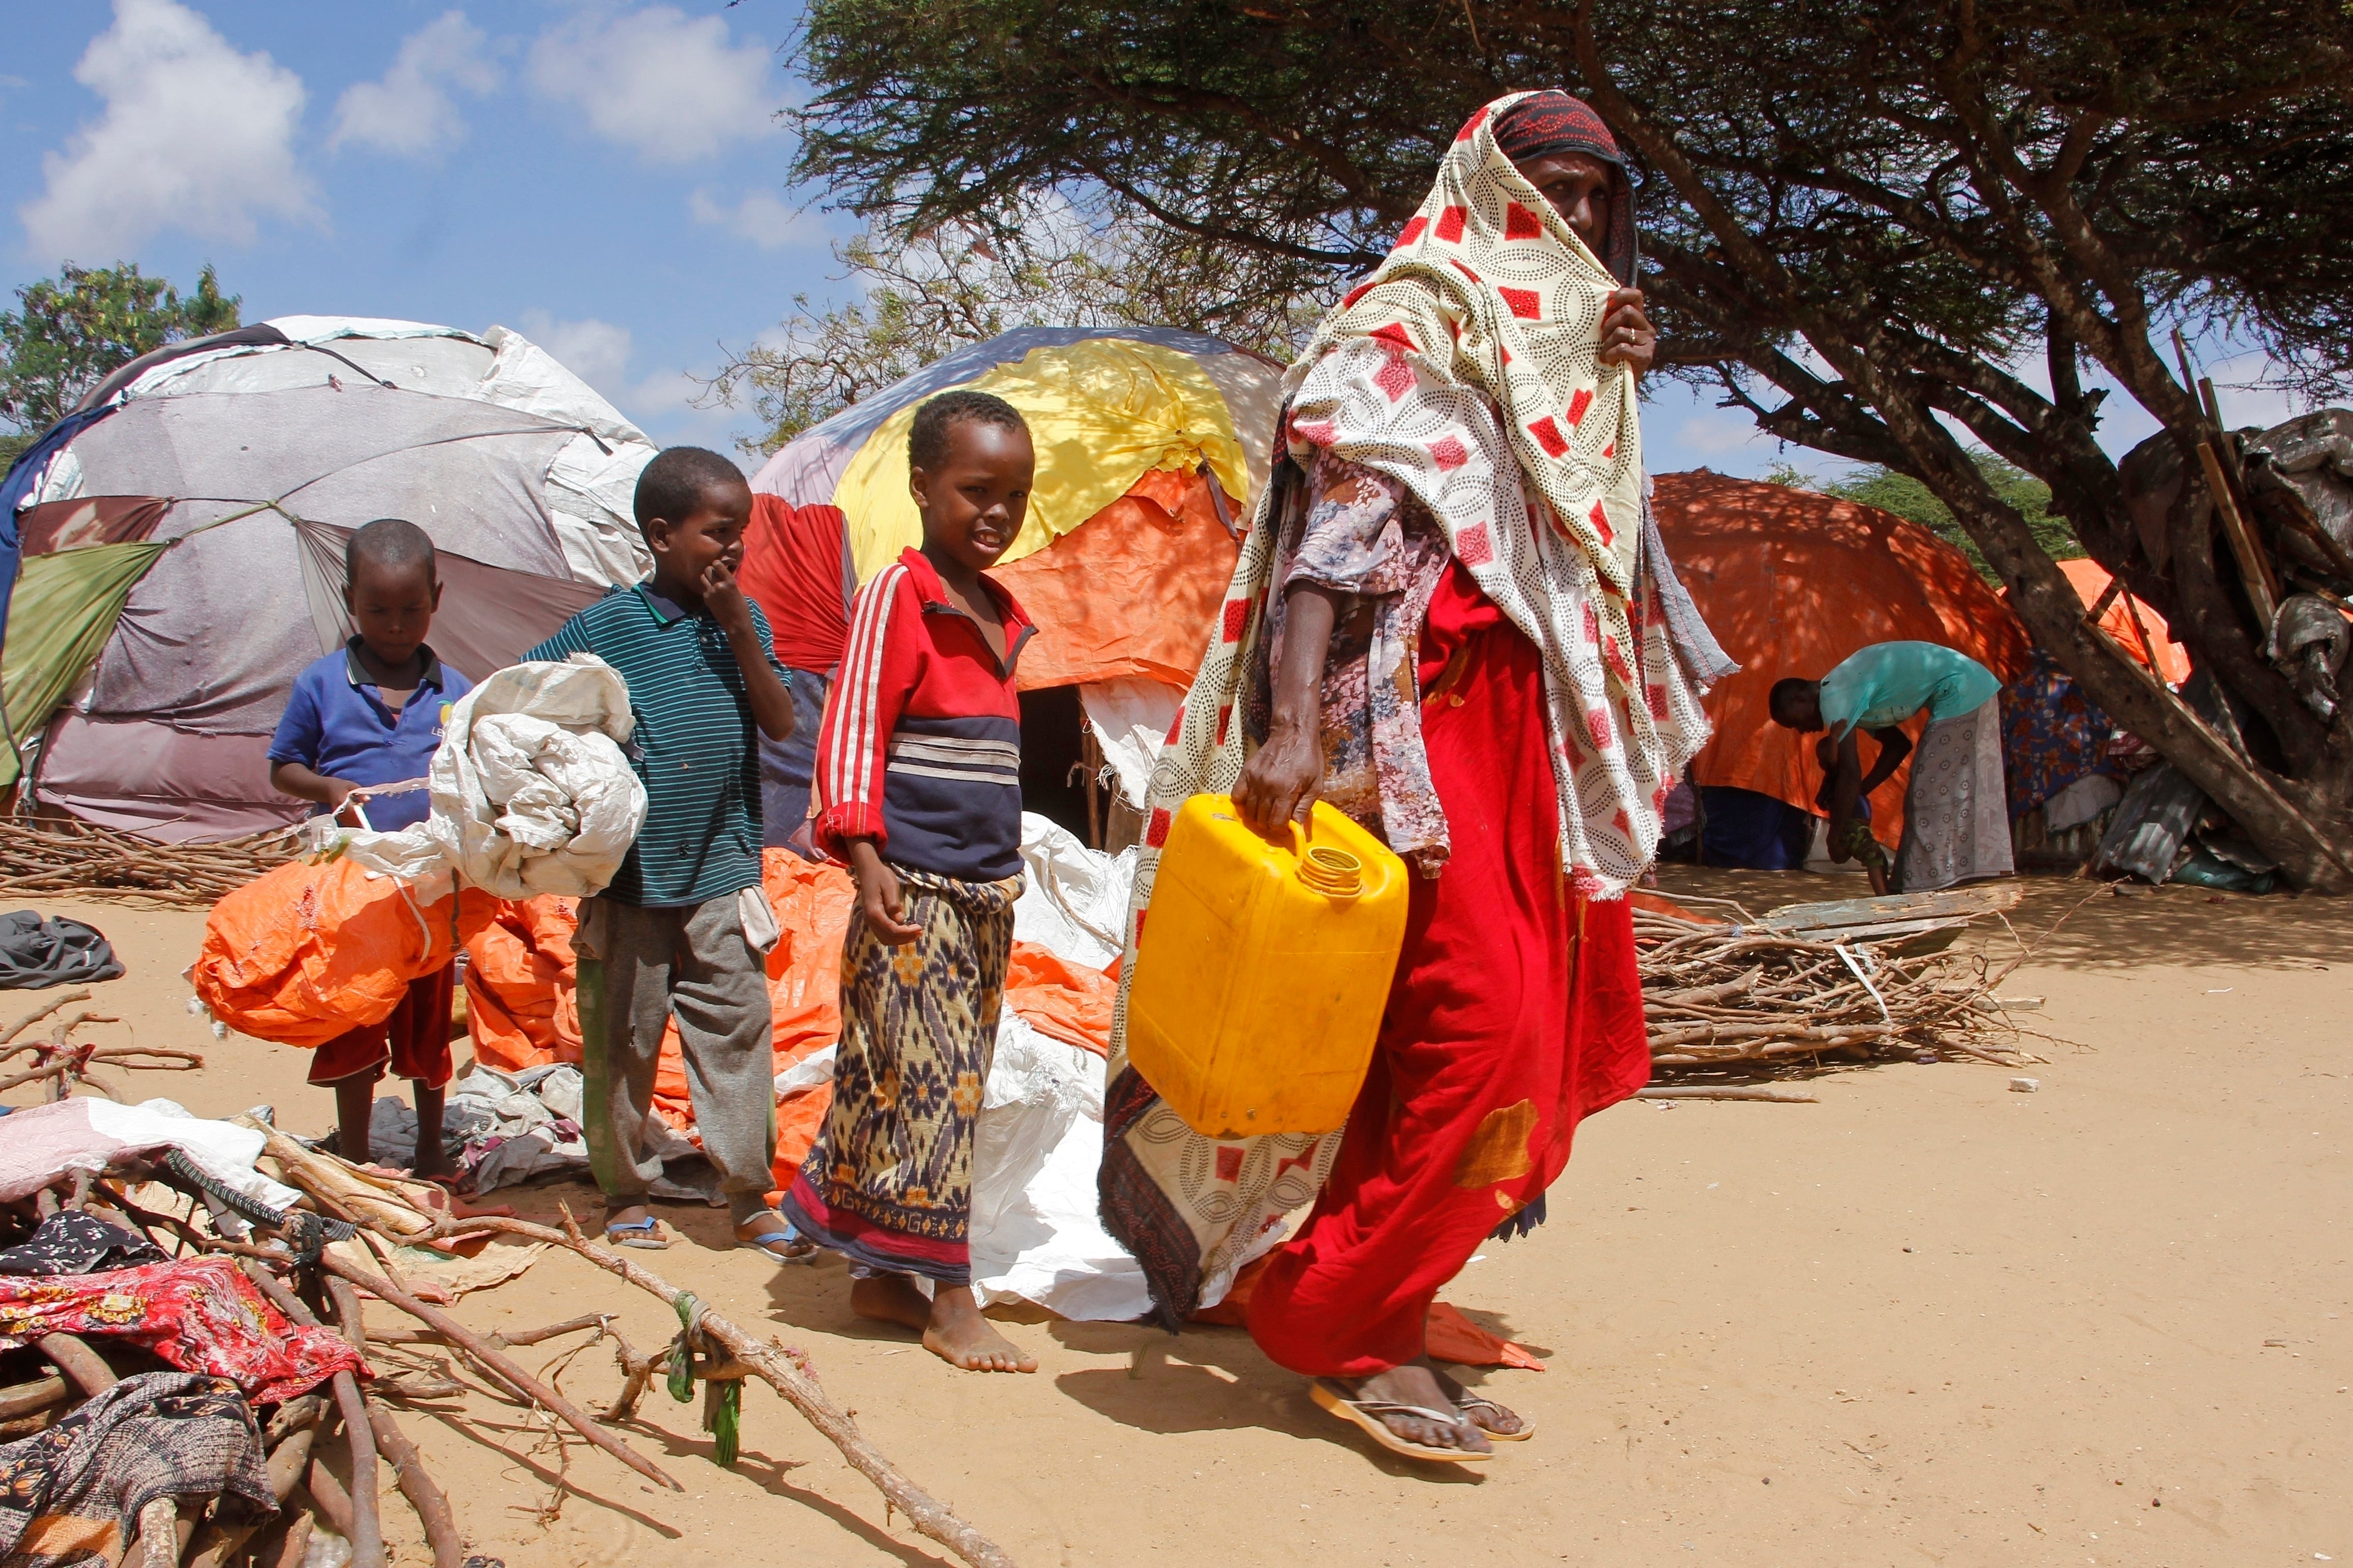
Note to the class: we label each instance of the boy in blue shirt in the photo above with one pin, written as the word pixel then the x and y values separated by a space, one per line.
pixel 683 927
pixel 368 715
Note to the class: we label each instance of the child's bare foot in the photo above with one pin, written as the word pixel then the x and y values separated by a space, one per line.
pixel 951 1323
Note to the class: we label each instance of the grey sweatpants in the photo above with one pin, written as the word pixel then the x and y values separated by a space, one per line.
pixel 638 968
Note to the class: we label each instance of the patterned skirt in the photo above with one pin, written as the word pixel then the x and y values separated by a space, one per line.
pixel 890 1181
pixel 1956 809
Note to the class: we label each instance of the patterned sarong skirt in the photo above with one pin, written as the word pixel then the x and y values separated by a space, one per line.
pixel 890 1181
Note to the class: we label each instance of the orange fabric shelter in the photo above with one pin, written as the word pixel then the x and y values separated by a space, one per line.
pixel 1129 592
pixel 1791 582
pixel 2090 580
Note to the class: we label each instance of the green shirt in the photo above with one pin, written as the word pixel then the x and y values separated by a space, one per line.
pixel 695 746
pixel 1881 686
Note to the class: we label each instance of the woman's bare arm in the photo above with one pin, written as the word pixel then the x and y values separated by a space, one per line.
pixel 1279 783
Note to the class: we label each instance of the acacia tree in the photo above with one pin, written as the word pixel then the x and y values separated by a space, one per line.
pixel 1880 226
pixel 67 335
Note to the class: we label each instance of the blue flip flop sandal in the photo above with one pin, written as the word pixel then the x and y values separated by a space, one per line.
pixel 643 1234
pixel 785 1245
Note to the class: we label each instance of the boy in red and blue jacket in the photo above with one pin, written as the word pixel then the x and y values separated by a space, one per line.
pixel 919 789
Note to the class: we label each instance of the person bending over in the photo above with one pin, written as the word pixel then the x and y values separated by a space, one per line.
pixel 1956 811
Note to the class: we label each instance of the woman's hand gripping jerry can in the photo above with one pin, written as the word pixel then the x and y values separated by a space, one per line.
pixel 1263 969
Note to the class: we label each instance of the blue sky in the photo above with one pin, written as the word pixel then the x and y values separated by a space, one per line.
pixel 607 178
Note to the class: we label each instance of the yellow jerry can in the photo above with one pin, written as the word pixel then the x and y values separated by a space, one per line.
pixel 1263 969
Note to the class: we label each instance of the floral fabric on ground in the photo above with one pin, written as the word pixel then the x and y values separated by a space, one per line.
pixel 197 1314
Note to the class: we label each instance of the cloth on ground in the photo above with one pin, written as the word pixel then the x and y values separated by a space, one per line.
pixel 68 1242
pixel 37 953
pixel 531 791
pixel 45 1141
pixel 199 1314
pixel 70 1496
pixel 1955 816
pixel 503 1128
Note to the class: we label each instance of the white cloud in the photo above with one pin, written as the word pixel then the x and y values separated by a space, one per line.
pixel 761 217
pixel 597 351
pixel 195 136
pixel 672 88
pixel 409 112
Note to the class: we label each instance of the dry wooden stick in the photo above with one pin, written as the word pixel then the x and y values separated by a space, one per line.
pixel 24 1399
pixel 366 1531
pixel 1723 1091
pixel 789 1374
pixel 431 1505
pixel 39 1013
pixel 464 1339
pixel 367 1504
pixel 73 1356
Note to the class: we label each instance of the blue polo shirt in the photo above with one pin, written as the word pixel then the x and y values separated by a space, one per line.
pixel 337 725
pixel 695 744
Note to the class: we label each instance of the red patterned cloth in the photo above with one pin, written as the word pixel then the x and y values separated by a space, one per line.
pixel 198 1314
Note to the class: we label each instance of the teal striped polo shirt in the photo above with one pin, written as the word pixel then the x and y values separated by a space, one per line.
pixel 696 745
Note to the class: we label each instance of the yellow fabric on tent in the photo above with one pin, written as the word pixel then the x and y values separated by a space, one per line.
pixel 1103 414
pixel 63 611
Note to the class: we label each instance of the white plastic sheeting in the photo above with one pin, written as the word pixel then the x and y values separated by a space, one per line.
pixel 532 792
pixel 1036 1234
pixel 1076 905
pixel 1131 719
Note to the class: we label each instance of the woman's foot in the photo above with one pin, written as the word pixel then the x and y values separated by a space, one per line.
pixel 1418 1382
pixel 950 1322
pixel 1489 1416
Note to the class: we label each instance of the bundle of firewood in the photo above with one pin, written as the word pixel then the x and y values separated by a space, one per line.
pixel 1860 978
pixel 67 859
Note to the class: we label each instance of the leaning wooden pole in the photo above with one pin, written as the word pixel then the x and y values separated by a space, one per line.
pixel 789 1375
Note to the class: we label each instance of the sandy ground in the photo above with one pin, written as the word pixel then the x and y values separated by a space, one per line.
pixel 1927 1320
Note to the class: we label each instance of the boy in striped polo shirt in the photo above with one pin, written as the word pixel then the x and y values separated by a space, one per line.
pixel 682 928
pixel 919 779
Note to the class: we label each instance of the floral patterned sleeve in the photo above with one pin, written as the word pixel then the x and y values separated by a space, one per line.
pixel 1354 538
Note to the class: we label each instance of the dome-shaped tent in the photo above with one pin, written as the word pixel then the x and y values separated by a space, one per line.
pixel 1151 443
pixel 181 536
pixel 1791 582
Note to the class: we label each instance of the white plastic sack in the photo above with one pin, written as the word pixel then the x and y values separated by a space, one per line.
pixel 1036 1231
pixel 532 792
pixel 1076 905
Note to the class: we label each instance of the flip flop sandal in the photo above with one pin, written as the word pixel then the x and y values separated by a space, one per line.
pixel 643 1234
pixel 785 1245
pixel 1366 1415
pixel 1468 1402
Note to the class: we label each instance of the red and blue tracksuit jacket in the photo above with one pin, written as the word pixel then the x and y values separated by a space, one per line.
pixel 920 745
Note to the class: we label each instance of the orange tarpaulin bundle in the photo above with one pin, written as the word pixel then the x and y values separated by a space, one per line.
pixel 303 952
pixel 520 1005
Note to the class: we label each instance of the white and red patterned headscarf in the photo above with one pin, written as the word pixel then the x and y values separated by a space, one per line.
pixel 1467 368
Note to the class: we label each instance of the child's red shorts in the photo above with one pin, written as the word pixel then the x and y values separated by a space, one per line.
pixel 415 1041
